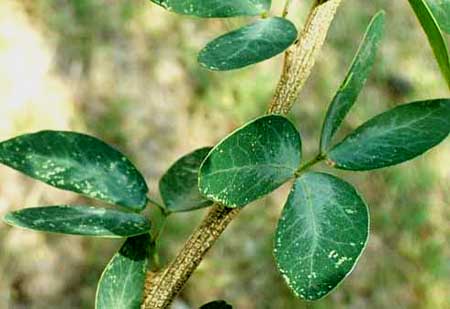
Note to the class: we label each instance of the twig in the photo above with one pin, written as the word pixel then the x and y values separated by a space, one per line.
pixel 165 286
pixel 300 58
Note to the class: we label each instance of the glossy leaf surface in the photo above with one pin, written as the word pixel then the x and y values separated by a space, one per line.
pixel 441 11
pixel 354 81
pixel 216 8
pixel 79 163
pixel 393 137
pixel 179 185
pixel 122 282
pixel 434 34
pixel 251 162
pixel 321 234
pixel 248 45
pixel 80 220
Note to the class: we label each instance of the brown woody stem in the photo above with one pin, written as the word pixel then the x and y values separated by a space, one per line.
pixel 300 58
pixel 163 287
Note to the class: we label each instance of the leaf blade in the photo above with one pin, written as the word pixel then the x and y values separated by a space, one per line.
pixel 393 137
pixel 248 45
pixel 179 185
pixel 441 11
pixel 354 81
pixel 216 8
pixel 79 220
pixel 252 161
pixel 434 35
pixel 78 163
pixel 122 282
pixel 321 234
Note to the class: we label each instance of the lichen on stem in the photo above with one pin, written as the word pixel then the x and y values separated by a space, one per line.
pixel 164 286
pixel 301 57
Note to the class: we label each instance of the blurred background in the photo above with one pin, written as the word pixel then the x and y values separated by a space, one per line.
pixel 126 72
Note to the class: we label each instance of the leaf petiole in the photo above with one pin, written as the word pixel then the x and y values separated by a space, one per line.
pixel 158 205
pixel 286 8
pixel 306 166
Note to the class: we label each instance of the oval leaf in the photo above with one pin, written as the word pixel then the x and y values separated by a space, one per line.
pixel 251 162
pixel 216 8
pixel 79 163
pixel 321 234
pixel 434 34
pixel 354 81
pixel 122 283
pixel 248 45
pixel 441 11
pixel 80 220
pixel 393 137
pixel 179 185
pixel 217 304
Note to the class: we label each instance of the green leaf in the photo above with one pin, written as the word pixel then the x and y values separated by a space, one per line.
pixel 80 220
pixel 441 11
pixel 122 283
pixel 434 34
pixel 217 304
pixel 251 162
pixel 179 185
pixel 321 234
pixel 248 45
pixel 395 136
pixel 354 81
pixel 216 8
pixel 79 163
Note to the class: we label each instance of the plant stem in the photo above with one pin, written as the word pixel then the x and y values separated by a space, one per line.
pixel 168 283
pixel 306 166
pixel 155 203
pixel 163 287
pixel 286 8
pixel 301 57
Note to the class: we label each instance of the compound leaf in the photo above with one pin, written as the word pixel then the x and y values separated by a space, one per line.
pixel 248 45
pixel 395 136
pixel 179 185
pixel 251 162
pixel 354 81
pixel 216 8
pixel 79 163
pixel 434 34
pixel 80 220
pixel 122 283
pixel 321 234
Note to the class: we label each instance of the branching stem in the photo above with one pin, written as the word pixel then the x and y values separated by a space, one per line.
pixel 306 166
pixel 164 286
pixel 155 203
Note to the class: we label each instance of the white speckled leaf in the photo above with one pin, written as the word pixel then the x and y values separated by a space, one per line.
pixel 179 185
pixel 80 220
pixel 79 163
pixel 216 8
pixel 322 232
pixel 251 162
pixel 250 44
pixel 122 283
pixel 354 81
pixel 393 137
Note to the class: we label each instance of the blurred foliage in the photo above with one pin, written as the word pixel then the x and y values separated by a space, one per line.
pixel 126 71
